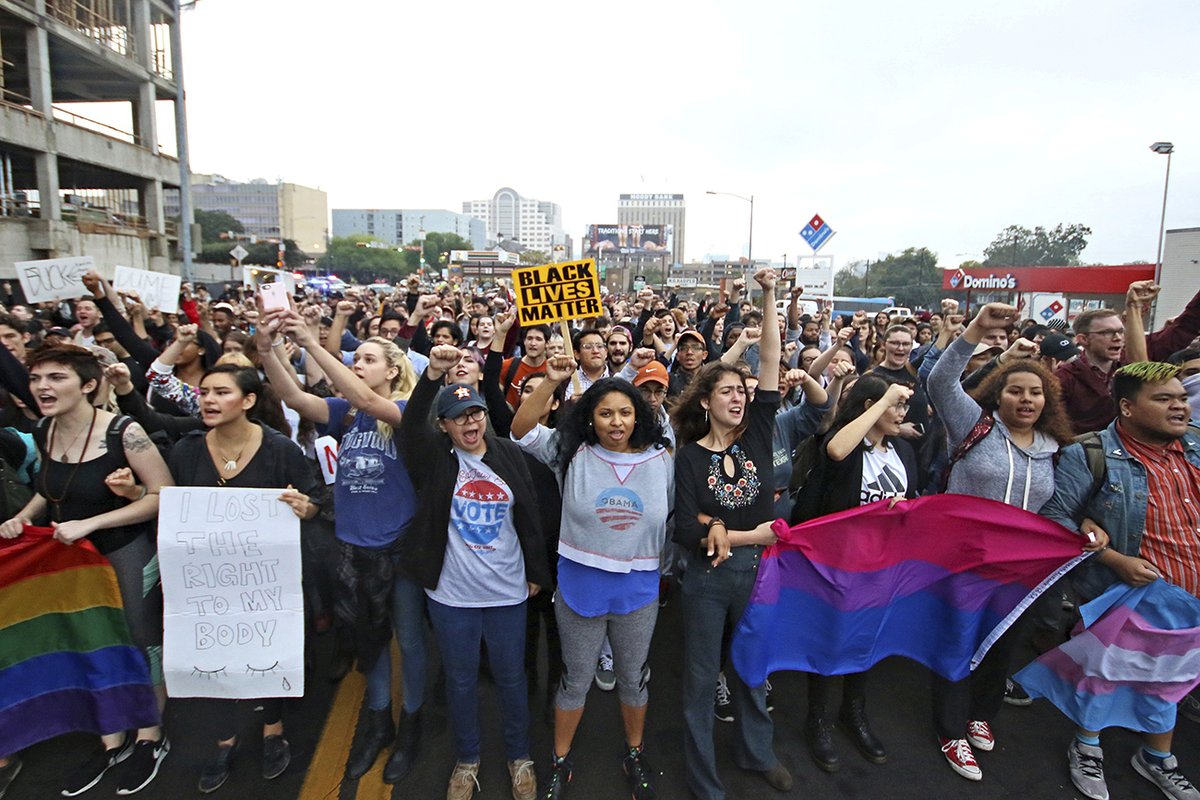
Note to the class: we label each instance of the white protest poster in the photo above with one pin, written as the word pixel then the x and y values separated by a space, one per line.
pixel 54 278
pixel 233 622
pixel 156 289
pixel 327 457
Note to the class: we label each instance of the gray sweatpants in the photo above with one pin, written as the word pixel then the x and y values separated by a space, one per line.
pixel 582 637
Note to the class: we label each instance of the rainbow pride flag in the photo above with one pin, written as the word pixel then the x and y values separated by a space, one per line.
pixel 67 661
pixel 937 579
pixel 1131 659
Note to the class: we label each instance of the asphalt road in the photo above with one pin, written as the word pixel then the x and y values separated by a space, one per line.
pixel 1029 760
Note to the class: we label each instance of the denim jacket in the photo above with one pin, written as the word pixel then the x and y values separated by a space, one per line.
pixel 1119 506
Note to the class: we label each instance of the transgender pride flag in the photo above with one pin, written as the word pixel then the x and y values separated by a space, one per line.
pixel 1132 658
pixel 937 579
pixel 67 662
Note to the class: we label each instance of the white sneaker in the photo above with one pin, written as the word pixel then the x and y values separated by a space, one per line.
pixel 1167 777
pixel 1086 762
pixel 606 679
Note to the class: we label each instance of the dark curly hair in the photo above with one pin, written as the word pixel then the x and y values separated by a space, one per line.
pixel 1053 420
pixel 689 417
pixel 575 427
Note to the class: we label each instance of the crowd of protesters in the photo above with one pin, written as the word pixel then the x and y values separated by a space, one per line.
pixel 526 488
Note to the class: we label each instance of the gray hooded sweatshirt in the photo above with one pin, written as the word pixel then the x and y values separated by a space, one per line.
pixel 996 467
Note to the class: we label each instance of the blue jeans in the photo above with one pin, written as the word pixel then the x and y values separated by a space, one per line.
pixel 459 632
pixel 408 618
pixel 711 596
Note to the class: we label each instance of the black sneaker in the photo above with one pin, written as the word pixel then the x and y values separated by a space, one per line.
pixel 1014 695
pixel 770 705
pixel 141 767
pixel 89 773
pixel 277 754
pixel 216 772
pixel 556 782
pixel 722 702
pixel 8 773
pixel 639 771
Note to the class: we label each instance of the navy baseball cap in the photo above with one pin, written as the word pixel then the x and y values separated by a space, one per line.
pixel 457 399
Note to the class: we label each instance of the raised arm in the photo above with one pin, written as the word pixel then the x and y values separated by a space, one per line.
pixel 269 342
pixel 848 439
pixel 558 370
pixel 353 388
pixel 769 345
pixel 1137 301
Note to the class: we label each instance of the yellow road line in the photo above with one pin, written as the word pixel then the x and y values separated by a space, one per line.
pixel 329 761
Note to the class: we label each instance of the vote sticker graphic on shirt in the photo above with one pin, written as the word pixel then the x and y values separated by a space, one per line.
pixel 619 508
pixel 479 509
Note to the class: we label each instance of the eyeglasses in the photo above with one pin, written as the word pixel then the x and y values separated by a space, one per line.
pixel 474 415
pixel 901 407
pixel 892 343
pixel 660 391
pixel 1108 333
pixel 593 346
pixel 691 348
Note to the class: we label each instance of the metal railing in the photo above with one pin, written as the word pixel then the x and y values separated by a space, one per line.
pixel 109 23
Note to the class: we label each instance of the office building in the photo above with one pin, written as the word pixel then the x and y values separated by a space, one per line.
pixel 533 224
pixel 401 226
pixel 70 185
pixel 268 210
pixel 656 209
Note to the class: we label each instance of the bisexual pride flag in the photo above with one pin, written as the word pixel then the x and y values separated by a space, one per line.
pixel 937 579
pixel 67 661
pixel 1134 655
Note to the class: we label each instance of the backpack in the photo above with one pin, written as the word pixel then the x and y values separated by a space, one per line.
pixel 15 487
pixel 1093 450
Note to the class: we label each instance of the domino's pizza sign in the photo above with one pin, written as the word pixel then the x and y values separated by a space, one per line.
pixel 1048 307
pixel 816 233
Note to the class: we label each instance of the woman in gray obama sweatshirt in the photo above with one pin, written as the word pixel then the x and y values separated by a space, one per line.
pixel 1015 424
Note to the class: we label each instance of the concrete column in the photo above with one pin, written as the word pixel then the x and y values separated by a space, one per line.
pixel 152 206
pixel 145 126
pixel 141 33
pixel 37 47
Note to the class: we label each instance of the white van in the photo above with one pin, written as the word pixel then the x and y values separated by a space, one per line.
pixel 806 307
pixel 903 312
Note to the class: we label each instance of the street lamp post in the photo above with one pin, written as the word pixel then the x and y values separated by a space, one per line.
pixel 750 242
pixel 1163 149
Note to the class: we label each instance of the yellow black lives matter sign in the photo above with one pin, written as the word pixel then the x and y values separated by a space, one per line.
pixel 554 292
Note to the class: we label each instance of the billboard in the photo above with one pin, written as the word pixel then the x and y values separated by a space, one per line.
pixel 629 239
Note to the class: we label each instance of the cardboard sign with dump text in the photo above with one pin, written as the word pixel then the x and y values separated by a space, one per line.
pixel 555 292
pixel 156 289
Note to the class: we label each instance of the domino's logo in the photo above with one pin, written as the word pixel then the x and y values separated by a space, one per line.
pixel 957 278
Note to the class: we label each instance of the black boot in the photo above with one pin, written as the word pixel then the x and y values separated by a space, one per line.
pixel 408 736
pixel 818 729
pixel 375 732
pixel 853 719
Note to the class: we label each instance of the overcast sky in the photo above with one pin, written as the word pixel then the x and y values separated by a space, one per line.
pixel 903 124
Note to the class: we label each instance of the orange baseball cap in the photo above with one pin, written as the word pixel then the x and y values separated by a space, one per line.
pixel 654 371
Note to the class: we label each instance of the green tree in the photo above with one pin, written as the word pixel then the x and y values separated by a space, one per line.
pixel 912 277
pixel 534 257
pixel 435 249
pixel 214 223
pixel 264 254
pixel 1017 246
pixel 363 258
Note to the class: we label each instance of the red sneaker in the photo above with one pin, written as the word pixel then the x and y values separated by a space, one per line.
pixel 962 760
pixel 979 734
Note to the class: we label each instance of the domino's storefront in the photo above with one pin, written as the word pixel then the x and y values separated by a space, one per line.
pixel 1046 293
